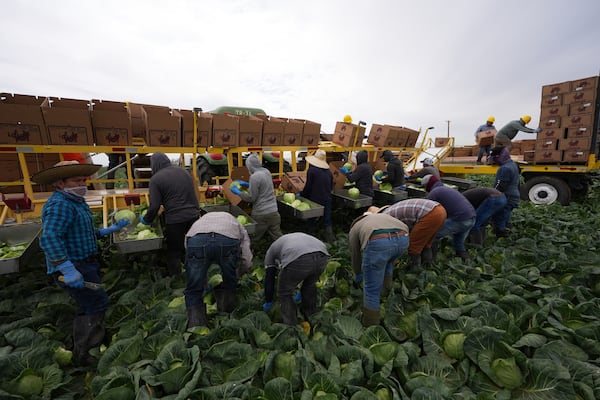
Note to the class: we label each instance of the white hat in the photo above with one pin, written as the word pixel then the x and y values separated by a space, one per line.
pixel 319 159
pixel 427 161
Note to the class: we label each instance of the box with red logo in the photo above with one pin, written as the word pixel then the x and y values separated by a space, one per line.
pixel 548 156
pixel 579 131
pixel 579 96
pixel 292 132
pixel 578 120
pixel 576 156
pixel 226 130
pixel 554 111
pixel 21 120
pixel 138 122
pixel 411 136
pixel 581 108
pixel 348 135
pixel 549 123
pixel 385 136
pixel 546 144
pixel 68 121
pixel 556 88
pixel 339 179
pixel 204 126
pixel 272 130
pixel 529 156
pixel 486 138
pixel 163 126
pixel 251 129
pixel 293 182
pixel 582 143
pixel 553 133
pixel 111 123
pixel 311 134
pixel 441 141
pixel 585 83
pixel 552 100
pixel 527 145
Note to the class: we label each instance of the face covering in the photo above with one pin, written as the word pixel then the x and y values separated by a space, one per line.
pixel 80 191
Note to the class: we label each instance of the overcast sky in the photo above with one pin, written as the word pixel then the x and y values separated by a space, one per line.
pixel 410 63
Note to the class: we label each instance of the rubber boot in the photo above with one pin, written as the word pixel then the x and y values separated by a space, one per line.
pixel 427 256
pixel 225 299
pixel 370 317
pixel 414 263
pixel 463 255
pixel 476 239
pixel 197 315
pixel 88 332
pixel 329 237
pixel 388 283
pixel 435 247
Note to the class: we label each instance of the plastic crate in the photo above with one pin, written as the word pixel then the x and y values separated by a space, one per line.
pixel 348 202
pixel 383 198
pixel 416 191
pixel 134 245
pixel 233 210
pixel 18 234
pixel 316 210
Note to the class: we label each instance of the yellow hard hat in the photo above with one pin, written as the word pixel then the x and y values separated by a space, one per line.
pixel 347 119
pixel 526 118
pixel 491 119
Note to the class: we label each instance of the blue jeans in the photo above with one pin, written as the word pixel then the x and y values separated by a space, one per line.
pixel 203 250
pixel 459 230
pixel 89 301
pixel 483 150
pixel 486 210
pixel 501 218
pixel 378 260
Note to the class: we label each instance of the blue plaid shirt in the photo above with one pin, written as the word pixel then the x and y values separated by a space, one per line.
pixel 68 230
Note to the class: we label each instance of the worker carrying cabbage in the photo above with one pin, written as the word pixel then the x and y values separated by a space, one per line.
pixel 394 173
pixel 508 132
pixel 216 238
pixel 69 240
pixel 299 258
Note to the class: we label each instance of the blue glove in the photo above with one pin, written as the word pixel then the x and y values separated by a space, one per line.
pixel 359 278
pixel 298 195
pixel 378 179
pixel 538 130
pixel 267 306
pixel 243 184
pixel 235 190
pixel 120 224
pixel 345 170
pixel 298 297
pixel 143 221
pixel 71 277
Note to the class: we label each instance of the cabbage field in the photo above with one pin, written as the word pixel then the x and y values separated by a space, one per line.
pixel 520 320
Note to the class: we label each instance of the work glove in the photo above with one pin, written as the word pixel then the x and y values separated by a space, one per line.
pixel 243 183
pixel 117 226
pixel 71 277
pixel 358 279
pixel 143 221
pixel 235 190
pixel 267 306
pixel 298 195
pixel 344 170
pixel 298 297
pixel 538 130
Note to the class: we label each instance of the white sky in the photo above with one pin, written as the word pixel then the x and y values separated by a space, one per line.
pixel 410 63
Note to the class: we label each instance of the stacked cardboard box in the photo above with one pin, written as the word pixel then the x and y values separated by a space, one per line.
pixel 204 128
pixel 68 121
pixel 348 135
pixel 293 182
pixel 111 123
pixel 567 117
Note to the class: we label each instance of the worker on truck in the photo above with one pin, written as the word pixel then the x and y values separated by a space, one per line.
pixel 508 132
pixel 484 146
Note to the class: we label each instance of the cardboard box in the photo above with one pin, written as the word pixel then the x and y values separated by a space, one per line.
pixel 552 133
pixel 293 181
pixel 226 130
pixel 516 148
pixel 547 144
pixel 251 129
pixel 68 121
pixel 527 145
pixel 441 141
pixel 585 83
pixel 578 120
pixel 529 156
pixel 204 122
pixel 348 135
pixel 580 131
pixel 554 111
pixel 577 156
pixel 552 122
pixel 163 126
pixel 582 143
pixel 552 100
pixel 272 130
pixel 138 120
pixel 556 88
pixel 292 132
pixel 339 179
pixel 581 108
pixel 311 134
pixel 411 137
pixel 462 152
pixel 111 123
pixel 385 136
pixel 21 120
pixel 548 156
pixel 10 169
pixel 485 138
pixel 580 96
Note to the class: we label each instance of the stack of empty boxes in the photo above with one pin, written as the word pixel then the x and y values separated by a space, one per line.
pixel 568 119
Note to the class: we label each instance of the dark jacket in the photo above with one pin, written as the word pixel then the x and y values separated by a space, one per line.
pixel 362 176
pixel 319 184
pixel 508 178
pixel 458 208
pixel 476 196
pixel 395 170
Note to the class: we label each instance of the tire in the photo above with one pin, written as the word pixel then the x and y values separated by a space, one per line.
pixel 205 174
pixel 546 190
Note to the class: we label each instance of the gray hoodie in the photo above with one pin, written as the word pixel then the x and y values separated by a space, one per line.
pixel 261 192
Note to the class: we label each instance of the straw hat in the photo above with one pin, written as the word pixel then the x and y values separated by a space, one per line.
pixel 319 159
pixel 63 170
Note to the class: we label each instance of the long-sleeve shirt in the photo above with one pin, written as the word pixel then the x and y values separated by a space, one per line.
pixel 362 177
pixel 319 184
pixel 227 225
pixel 362 230
pixel 410 211
pixel 511 129
pixel 261 192
pixel 508 182
pixel 476 196
pixel 68 231
pixel 428 170
pixel 395 170
pixel 457 206
pixel 289 247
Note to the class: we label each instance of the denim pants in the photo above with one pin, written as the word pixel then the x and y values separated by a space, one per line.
pixel 501 218
pixel 306 269
pixel 459 230
pixel 203 250
pixel 378 260
pixel 483 150
pixel 486 210
pixel 89 301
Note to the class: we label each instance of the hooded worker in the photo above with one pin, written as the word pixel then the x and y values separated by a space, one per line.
pixel 172 187
pixel 362 176
pixel 394 171
pixel 69 241
pixel 261 193
pixel 507 181
pixel 508 132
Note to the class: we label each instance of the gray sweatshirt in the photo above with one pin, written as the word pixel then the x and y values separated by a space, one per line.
pixel 511 129
pixel 261 192
pixel 291 246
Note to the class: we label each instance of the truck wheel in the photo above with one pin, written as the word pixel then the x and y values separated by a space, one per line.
pixel 545 190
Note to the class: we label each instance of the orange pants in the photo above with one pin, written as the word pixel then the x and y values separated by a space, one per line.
pixel 422 234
